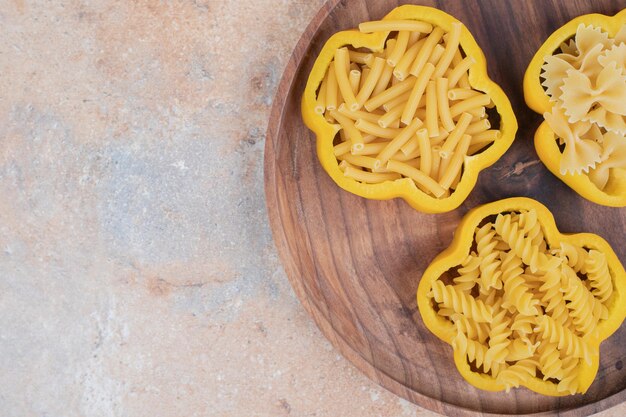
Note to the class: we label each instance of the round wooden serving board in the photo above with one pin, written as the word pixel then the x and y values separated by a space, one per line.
pixel 355 264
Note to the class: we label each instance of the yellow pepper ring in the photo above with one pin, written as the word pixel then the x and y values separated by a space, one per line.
pixel 460 248
pixel 405 187
pixel 545 141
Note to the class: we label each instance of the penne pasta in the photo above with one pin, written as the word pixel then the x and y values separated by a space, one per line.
pixel 418 81
pixel 331 89
pixel 416 93
pixel 401 70
pixel 341 59
pixel 456 179
pixel 469 104
pixel 401 99
pixel 460 69
pixel 478 127
pixel 359 57
pixel 389 94
pixel 416 175
pixel 369 177
pixel 372 78
pixel 436 55
pixel 456 134
pixel 435 161
pixel 352 133
pixel 443 105
pixel 361 161
pixel 443 166
pixel 399 156
pixel 375 129
pixel 355 79
pixel 425 52
pixel 320 105
pixel 342 148
pixel 397 142
pixel 383 81
pixel 432 122
pixel 425 151
pixel 456 162
pixel 462 93
pixel 395 25
pixel 359 114
pixel 452 46
pixel 410 146
pixel 344 164
pixel 485 137
pixel 373 148
pixel 399 48
pixel 414 36
pixel 391 116
pixel 364 73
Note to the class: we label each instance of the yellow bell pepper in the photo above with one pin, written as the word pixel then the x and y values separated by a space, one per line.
pixel 614 194
pixel 460 249
pixel 406 188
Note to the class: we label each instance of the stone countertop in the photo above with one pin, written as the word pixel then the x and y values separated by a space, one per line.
pixel 137 271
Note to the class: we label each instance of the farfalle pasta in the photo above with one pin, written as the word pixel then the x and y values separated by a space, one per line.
pixel 586 83
pixel 577 80
pixel 526 306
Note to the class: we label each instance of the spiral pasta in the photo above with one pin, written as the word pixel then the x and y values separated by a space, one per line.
pixel 599 275
pixel 522 309
pixel 461 302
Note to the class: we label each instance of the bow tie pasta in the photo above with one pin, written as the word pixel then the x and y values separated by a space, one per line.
pixel 586 83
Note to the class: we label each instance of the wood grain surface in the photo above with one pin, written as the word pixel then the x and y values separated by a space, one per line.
pixel 355 264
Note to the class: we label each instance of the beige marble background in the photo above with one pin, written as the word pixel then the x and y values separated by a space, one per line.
pixel 137 271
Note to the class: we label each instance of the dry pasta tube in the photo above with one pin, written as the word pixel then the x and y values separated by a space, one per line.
pixel 456 162
pixel 399 49
pixel 373 148
pixel 443 106
pixel 435 161
pixel 386 135
pixel 423 55
pixel 370 177
pixel 416 93
pixel 452 46
pixel 359 57
pixel 374 129
pixel 462 93
pixel 391 116
pixel 455 136
pixel 355 137
pixel 401 70
pixel 369 84
pixel 364 73
pixel 397 142
pixel 341 72
pixel 359 114
pixel 389 94
pixel 432 116
pixel 469 104
pixel 416 175
pixel 355 80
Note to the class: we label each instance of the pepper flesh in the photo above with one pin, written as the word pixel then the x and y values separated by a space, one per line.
pixel 614 194
pixel 459 249
pixel 405 188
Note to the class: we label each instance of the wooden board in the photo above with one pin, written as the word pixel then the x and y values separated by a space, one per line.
pixel 355 264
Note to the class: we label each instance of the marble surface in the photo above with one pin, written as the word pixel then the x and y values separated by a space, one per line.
pixel 137 271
